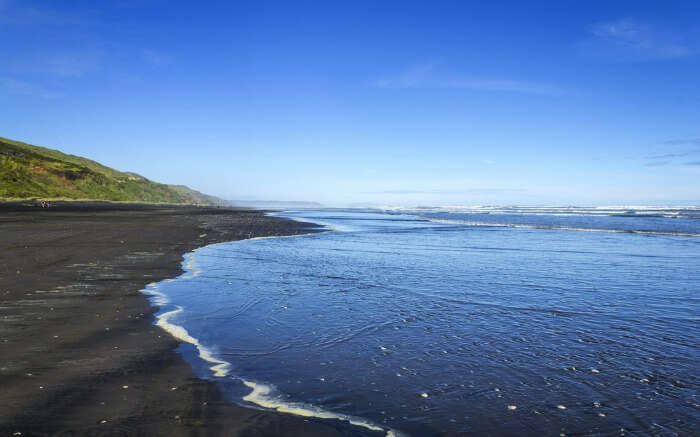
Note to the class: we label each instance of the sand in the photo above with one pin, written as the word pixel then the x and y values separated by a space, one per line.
pixel 79 354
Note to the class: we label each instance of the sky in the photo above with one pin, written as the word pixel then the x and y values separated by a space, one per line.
pixel 367 102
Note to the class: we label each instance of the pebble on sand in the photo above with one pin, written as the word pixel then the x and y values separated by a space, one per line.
pixel 512 407
pixel 424 395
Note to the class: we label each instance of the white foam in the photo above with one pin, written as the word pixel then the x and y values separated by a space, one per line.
pixel 262 394
pixel 219 369
pixel 276 236
pixel 159 298
pixel 560 228
pixel 191 268
pixel 666 211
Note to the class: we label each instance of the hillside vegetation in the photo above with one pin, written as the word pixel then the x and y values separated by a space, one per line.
pixel 28 171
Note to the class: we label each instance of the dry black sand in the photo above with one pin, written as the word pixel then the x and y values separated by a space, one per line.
pixel 79 354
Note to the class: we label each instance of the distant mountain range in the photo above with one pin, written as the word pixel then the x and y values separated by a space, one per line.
pixel 33 172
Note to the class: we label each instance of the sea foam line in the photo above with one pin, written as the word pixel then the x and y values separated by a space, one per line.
pixel 559 228
pixel 261 394
pixel 220 368
pixel 670 210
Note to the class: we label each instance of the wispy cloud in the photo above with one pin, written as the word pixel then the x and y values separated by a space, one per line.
pixel 64 45
pixel 428 76
pixel 66 63
pixel 694 163
pixel 395 192
pixel 20 14
pixel 668 158
pixel 691 142
pixel 19 87
pixel 632 39
pixel 656 163
pixel 671 155
pixel 70 64
pixel 472 191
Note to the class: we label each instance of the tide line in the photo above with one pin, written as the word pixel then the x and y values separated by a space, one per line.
pixel 262 395
pixel 560 228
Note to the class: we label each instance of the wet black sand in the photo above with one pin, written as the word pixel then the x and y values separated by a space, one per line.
pixel 78 352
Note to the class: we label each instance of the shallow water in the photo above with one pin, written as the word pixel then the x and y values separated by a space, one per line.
pixel 448 327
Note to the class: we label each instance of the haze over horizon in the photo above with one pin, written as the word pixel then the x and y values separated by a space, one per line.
pixel 384 103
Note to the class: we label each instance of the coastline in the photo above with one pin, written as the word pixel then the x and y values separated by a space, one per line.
pixel 79 351
pixel 262 395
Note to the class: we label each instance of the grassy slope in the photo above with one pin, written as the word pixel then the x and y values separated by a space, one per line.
pixel 28 171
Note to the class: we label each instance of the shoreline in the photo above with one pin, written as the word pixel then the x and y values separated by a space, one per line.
pixel 79 351
pixel 262 394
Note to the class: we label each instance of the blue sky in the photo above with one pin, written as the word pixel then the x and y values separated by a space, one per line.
pixel 383 102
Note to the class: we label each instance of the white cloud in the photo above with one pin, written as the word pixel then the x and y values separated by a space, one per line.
pixel 631 39
pixel 427 76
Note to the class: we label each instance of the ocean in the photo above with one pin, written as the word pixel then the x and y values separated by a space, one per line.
pixel 455 321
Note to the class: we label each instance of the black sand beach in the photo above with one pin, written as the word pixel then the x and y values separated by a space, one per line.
pixel 79 354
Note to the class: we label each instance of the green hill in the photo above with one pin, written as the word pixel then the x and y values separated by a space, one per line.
pixel 28 171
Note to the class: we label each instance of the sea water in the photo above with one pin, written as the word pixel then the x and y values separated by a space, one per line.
pixel 455 321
